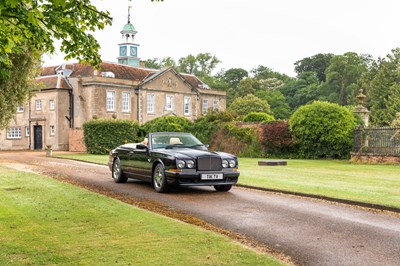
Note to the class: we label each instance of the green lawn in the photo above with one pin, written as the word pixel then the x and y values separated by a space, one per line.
pixel 376 184
pixel 47 222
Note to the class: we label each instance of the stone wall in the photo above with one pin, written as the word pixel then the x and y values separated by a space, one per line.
pixel 369 158
pixel 76 141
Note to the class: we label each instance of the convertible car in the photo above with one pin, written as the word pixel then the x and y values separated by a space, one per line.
pixel 173 158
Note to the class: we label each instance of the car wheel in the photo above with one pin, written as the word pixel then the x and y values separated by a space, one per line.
pixel 223 187
pixel 117 173
pixel 159 179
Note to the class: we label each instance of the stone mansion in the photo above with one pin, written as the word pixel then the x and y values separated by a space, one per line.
pixel 71 94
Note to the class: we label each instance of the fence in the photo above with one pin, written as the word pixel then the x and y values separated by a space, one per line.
pixel 381 141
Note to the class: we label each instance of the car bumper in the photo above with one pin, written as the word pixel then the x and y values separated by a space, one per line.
pixel 193 178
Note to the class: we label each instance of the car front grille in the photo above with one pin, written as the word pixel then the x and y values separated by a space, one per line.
pixel 209 164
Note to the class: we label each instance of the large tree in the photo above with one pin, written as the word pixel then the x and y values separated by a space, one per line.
pixel 384 92
pixel 317 63
pixel 29 28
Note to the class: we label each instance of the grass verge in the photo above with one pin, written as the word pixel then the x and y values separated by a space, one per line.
pixel 375 184
pixel 46 222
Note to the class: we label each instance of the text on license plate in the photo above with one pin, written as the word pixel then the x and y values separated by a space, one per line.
pixel 211 176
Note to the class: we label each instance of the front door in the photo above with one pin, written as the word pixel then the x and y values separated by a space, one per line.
pixel 37 136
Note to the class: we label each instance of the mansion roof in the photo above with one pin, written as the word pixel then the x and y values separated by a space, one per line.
pixel 49 75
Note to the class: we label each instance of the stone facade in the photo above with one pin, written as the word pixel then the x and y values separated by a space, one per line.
pixel 72 94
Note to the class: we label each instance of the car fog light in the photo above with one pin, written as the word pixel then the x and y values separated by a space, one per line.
pixel 180 164
pixel 190 164
pixel 232 163
pixel 224 163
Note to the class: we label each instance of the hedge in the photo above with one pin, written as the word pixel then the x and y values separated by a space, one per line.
pixel 103 135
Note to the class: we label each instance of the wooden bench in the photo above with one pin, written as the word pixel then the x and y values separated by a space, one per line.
pixel 272 162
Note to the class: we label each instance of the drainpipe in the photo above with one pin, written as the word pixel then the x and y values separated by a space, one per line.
pixel 29 124
pixel 71 103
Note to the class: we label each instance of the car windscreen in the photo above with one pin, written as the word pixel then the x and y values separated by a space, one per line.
pixel 171 140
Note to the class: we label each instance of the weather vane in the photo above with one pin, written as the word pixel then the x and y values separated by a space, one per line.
pixel 129 10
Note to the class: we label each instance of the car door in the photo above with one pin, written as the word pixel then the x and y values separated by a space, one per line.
pixel 140 163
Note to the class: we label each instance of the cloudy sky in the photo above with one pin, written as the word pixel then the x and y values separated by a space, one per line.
pixel 248 33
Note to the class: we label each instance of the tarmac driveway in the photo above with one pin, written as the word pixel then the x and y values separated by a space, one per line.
pixel 311 232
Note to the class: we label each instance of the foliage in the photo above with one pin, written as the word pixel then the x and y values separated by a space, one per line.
pixel 276 138
pixel 205 126
pixel 323 130
pixel 234 75
pixel 279 106
pixel 384 91
pixel 241 141
pixel 342 78
pixel 28 29
pixel 200 65
pixel 263 72
pixel 258 117
pixel 249 103
pixel 317 63
pixel 168 124
pixel 17 83
pixel 102 135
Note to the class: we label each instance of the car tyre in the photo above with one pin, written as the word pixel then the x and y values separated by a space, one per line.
pixel 159 179
pixel 223 188
pixel 117 174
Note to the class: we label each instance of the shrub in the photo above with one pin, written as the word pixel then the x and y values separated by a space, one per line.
pixel 323 130
pixel 236 140
pixel 101 135
pixel 258 117
pixel 168 124
pixel 276 138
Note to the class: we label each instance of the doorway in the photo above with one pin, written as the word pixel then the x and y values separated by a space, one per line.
pixel 37 137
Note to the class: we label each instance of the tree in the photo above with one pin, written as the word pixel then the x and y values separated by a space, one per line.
pixel 249 103
pixel 279 106
pixel 343 76
pixel 234 75
pixel 317 63
pixel 201 65
pixel 383 91
pixel 28 28
pixel 263 72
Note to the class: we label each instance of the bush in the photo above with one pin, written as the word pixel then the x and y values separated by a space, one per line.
pixel 168 124
pixel 101 135
pixel 323 130
pixel 205 126
pixel 249 103
pixel 276 138
pixel 258 117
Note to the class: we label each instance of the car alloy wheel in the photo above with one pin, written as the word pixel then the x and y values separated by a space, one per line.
pixel 159 179
pixel 117 173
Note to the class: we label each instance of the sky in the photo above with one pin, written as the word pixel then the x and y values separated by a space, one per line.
pixel 248 33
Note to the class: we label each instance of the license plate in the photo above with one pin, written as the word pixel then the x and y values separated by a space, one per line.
pixel 212 176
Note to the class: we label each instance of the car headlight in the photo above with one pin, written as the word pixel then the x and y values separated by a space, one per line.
pixel 232 163
pixel 180 163
pixel 224 163
pixel 190 164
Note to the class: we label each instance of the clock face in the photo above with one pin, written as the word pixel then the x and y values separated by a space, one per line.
pixel 133 50
pixel 122 51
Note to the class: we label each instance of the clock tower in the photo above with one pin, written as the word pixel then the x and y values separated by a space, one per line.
pixel 128 50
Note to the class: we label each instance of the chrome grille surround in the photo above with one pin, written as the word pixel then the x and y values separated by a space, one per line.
pixel 209 163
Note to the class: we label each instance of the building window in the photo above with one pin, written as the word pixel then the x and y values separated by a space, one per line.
pixel 20 109
pixel 126 102
pixel 14 133
pixel 205 107
pixel 38 105
pixel 110 101
pixel 52 130
pixel 27 131
pixel 169 103
pixel 186 106
pixel 150 103
pixel 52 104
pixel 216 105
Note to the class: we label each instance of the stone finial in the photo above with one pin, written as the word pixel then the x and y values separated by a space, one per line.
pixel 361 97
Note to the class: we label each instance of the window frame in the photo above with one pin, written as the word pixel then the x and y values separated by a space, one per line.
pixel 216 105
pixel 27 131
pixel 38 105
pixel 52 105
pixel 15 134
pixel 20 108
pixel 126 106
pixel 171 103
pixel 52 130
pixel 204 106
pixel 151 107
pixel 110 101
pixel 189 103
